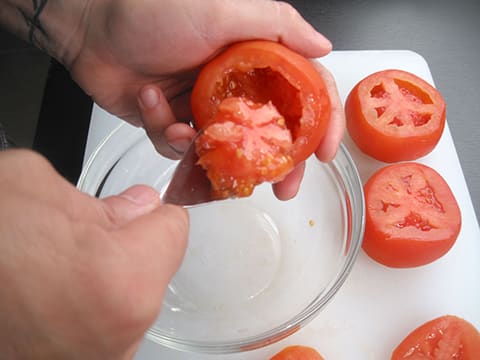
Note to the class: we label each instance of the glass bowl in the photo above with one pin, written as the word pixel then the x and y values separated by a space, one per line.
pixel 256 269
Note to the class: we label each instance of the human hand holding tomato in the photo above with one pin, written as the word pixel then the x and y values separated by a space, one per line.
pixel 140 62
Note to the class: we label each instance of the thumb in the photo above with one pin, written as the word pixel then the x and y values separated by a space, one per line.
pixel 134 202
pixel 154 234
pixel 242 20
pixel 152 239
pixel 155 244
pixel 157 241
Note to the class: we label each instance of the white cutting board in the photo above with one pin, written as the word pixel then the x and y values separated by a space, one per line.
pixel 377 306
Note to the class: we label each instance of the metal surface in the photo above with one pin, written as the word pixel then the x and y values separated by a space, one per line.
pixel 189 184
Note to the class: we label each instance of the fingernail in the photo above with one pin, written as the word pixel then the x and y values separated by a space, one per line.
pixel 180 145
pixel 149 97
pixel 141 195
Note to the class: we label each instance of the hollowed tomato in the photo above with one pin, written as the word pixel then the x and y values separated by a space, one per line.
pixel 250 87
pixel 446 337
pixel 412 217
pixel 393 115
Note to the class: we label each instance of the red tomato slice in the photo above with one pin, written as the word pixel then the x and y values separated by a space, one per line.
pixel 412 217
pixel 263 72
pixel 446 337
pixel 393 115
pixel 297 352
pixel 245 145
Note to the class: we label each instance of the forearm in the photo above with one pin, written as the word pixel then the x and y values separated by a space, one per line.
pixel 55 26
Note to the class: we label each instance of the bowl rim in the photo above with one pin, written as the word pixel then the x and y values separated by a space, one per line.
pixel 355 204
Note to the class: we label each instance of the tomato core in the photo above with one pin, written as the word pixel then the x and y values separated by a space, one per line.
pixel 246 144
pixel 411 105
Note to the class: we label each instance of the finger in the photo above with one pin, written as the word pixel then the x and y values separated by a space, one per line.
pixel 269 20
pixel 156 116
pixel 157 241
pixel 179 137
pixel 288 187
pixel 134 202
pixel 152 249
pixel 335 130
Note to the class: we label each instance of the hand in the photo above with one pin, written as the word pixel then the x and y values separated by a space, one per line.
pixel 81 278
pixel 139 62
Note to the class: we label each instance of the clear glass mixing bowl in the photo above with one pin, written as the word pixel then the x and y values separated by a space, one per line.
pixel 256 269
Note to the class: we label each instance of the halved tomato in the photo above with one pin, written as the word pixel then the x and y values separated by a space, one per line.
pixel 446 337
pixel 412 217
pixel 297 352
pixel 265 77
pixel 393 115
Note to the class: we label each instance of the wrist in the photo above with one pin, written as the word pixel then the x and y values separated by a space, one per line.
pixel 55 26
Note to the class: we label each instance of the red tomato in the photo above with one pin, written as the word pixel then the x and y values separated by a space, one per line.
pixel 446 337
pixel 245 145
pixel 393 115
pixel 412 217
pixel 297 352
pixel 263 72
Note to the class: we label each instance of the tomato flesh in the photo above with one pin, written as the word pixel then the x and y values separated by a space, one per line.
pixel 393 115
pixel 446 337
pixel 412 217
pixel 297 352
pixel 246 144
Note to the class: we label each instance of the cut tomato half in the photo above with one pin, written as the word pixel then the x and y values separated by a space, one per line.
pixel 412 217
pixel 393 115
pixel 446 337
pixel 297 352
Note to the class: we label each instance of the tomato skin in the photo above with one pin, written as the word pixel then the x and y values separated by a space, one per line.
pixel 393 115
pixel 297 352
pixel 446 337
pixel 263 71
pixel 412 217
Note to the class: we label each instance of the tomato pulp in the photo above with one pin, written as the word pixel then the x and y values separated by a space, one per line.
pixel 412 217
pixel 446 337
pixel 393 115
pixel 258 78
pixel 249 144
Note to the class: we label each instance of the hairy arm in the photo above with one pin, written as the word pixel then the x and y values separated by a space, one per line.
pixel 54 26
